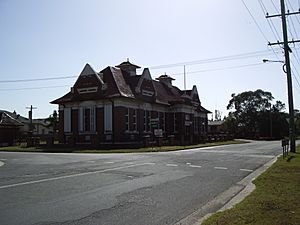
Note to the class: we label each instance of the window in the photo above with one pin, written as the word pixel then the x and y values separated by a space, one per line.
pixel 147 118
pixel 148 121
pixel 175 123
pixel 131 120
pixel 108 118
pixel 87 90
pixel 187 117
pixel 162 121
pixel 147 93
pixel 127 120
pixel 134 127
pixel 87 120
pixel 67 120
pixel 196 125
pixel 145 121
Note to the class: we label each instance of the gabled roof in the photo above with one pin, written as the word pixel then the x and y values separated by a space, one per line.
pixel 118 82
pixel 87 70
pixel 167 95
pixel 7 120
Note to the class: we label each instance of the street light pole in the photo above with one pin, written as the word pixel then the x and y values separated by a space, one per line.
pixel 289 79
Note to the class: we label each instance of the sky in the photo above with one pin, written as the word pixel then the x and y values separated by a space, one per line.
pixel 221 43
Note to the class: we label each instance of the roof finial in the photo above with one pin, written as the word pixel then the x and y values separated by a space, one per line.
pixel 127 59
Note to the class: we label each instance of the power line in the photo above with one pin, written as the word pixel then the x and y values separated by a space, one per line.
pixel 191 72
pixel 270 23
pixel 33 88
pixel 218 69
pixel 202 61
pixel 277 10
pixel 257 25
pixel 37 79
pixel 214 60
pixel 253 18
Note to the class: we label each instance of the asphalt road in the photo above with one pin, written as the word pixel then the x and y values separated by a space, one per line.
pixel 135 189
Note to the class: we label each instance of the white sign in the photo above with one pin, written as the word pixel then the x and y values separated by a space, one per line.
pixel 158 132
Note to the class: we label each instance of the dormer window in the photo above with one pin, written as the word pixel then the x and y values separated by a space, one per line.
pixel 147 93
pixel 87 90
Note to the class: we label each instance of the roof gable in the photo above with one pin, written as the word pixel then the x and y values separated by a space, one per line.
pixel 7 120
pixel 145 76
pixel 87 70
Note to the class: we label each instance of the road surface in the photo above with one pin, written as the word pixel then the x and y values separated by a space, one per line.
pixel 120 189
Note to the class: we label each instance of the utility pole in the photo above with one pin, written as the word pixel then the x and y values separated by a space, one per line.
pixel 30 115
pixel 287 51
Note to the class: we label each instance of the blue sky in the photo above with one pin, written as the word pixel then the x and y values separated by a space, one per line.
pixel 55 38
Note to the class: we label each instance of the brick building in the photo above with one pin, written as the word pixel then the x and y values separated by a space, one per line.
pixel 117 106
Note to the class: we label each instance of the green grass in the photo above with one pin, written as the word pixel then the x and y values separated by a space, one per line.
pixel 150 149
pixel 275 201
pixel 160 149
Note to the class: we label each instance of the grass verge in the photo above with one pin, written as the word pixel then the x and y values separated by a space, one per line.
pixel 154 149
pixel 276 199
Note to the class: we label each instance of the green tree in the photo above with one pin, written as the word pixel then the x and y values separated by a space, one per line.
pixel 297 123
pixel 254 115
pixel 53 121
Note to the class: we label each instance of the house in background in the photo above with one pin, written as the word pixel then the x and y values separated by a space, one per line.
pixel 216 127
pixel 9 129
pixel 39 127
pixel 117 106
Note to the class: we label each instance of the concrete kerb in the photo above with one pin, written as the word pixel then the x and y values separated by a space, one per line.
pixel 228 198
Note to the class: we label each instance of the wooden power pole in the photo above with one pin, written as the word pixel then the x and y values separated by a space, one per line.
pixel 287 51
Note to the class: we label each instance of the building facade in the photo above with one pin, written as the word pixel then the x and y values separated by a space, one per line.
pixel 117 106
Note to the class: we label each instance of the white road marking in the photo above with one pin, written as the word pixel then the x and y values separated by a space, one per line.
pixel 247 170
pixel 188 163
pixel 109 162
pixel 1 163
pixel 149 163
pixel 220 168
pixel 128 163
pixel 172 165
pixel 70 176
pixel 130 176
pixel 195 166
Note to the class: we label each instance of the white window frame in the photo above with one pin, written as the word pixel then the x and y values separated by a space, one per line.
pixel 81 118
pixel 87 90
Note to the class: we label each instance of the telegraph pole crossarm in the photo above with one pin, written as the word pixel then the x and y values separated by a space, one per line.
pixel 287 51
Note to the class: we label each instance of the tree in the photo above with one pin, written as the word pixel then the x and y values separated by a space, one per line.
pixel 53 121
pixel 254 115
pixel 297 123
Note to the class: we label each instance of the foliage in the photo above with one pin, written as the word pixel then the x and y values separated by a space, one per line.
pixel 297 122
pixel 255 116
pixel 53 120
